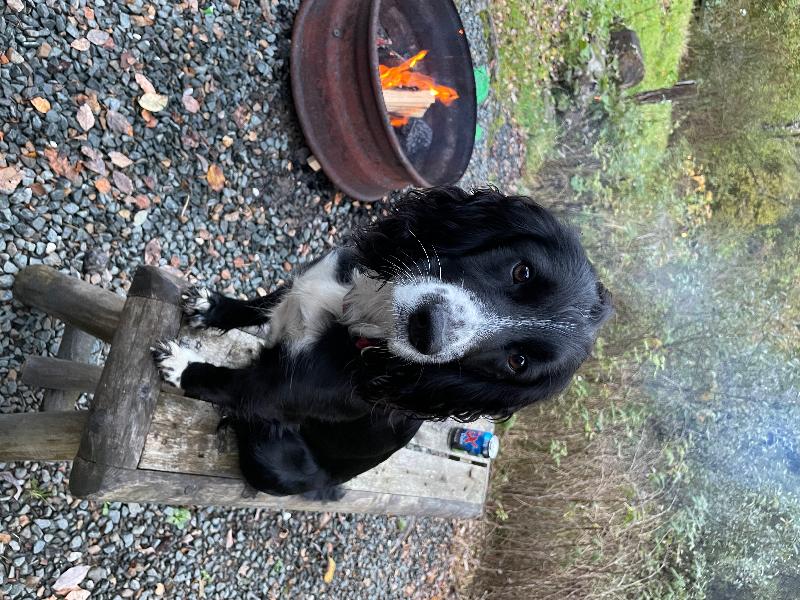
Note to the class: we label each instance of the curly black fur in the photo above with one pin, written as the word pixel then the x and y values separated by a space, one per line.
pixel 309 421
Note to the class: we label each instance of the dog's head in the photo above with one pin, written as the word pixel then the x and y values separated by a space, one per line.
pixel 494 302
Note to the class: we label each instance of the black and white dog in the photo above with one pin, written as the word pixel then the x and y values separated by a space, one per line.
pixel 456 304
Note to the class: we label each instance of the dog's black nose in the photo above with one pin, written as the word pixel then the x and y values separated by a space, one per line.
pixel 424 329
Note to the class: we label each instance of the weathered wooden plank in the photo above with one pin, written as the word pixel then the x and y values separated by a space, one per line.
pixel 442 486
pixel 75 345
pixel 183 439
pixel 183 436
pixel 59 374
pixel 126 396
pixel 40 436
pixel 83 305
pixel 140 485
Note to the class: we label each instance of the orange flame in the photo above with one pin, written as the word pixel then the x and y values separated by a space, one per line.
pixel 403 76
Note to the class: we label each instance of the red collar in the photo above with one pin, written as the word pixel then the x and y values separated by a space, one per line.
pixel 363 343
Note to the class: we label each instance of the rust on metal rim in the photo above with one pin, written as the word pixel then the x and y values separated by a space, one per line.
pixel 339 100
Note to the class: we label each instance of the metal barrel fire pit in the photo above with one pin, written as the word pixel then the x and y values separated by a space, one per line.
pixel 341 51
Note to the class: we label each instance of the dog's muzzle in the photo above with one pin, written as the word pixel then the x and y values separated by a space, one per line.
pixel 435 321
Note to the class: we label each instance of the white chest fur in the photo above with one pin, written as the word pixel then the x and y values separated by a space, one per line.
pixel 316 299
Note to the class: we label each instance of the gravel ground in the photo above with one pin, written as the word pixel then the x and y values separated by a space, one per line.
pixel 95 181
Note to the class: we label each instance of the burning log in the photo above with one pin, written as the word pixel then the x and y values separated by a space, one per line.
pixel 408 103
pixel 402 102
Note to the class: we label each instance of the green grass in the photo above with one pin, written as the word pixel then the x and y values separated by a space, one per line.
pixel 537 40
pixel 663 34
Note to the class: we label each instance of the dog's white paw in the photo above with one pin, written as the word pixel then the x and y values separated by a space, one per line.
pixel 172 360
pixel 196 301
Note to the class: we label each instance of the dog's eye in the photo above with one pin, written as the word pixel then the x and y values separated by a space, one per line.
pixel 521 273
pixel 517 362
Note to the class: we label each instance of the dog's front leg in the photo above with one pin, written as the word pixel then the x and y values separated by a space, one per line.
pixel 206 309
pixel 185 369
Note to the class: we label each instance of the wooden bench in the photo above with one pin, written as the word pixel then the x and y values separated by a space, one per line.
pixel 142 441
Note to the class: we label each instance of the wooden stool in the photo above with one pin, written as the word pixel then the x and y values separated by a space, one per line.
pixel 142 441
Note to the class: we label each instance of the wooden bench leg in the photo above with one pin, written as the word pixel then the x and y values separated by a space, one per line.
pixel 75 345
pixel 125 399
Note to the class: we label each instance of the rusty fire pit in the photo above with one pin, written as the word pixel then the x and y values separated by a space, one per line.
pixel 337 49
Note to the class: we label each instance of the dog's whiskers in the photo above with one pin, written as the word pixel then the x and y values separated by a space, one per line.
pixel 437 260
pixel 430 267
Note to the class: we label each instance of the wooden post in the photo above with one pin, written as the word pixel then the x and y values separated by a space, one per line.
pixel 87 307
pixel 125 399
pixel 75 345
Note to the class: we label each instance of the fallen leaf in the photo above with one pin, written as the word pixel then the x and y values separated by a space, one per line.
pixel 190 103
pixel 123 182
pixel 144 83
pixel 90 98
pixel 38 189
pixel 328 577
pixel 41 104
pixel 103 185
pixel 81 44
pixel 97 36
pixel 149 120
pixel 85 117
pixel 216 180
pixel 118 123
pixel 152 252
pixel 10 178
pixel 70 579
pixel 153 102
pixel 60 164
pixel 119 159
pixel 91 152
pixel 98 166
pixel 78 595
pixel 126 60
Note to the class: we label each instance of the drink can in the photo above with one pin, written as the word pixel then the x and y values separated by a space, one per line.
pixel 475 442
